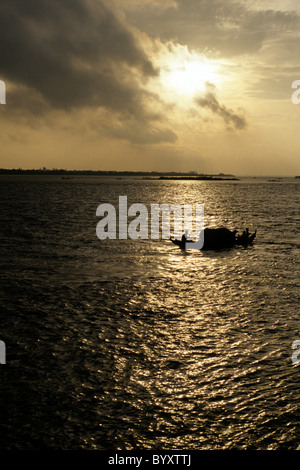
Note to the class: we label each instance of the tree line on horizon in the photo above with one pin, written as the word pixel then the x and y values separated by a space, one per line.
pixel 57 171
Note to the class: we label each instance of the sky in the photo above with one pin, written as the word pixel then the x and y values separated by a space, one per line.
pixel 151 85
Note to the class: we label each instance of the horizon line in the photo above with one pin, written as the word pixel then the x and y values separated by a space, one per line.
pixel 62 171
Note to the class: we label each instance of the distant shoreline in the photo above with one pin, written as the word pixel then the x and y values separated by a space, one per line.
pixel 145 175
pixel 195 178
pixel 153 175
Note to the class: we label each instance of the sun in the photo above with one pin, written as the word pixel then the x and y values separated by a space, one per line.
pixel 188 76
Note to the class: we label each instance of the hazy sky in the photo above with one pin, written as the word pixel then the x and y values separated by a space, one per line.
pixel 179 85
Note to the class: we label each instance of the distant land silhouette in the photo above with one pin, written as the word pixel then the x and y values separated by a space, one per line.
pixel 191 175
pixel 199 177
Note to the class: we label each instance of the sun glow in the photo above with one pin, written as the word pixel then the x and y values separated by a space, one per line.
pixel 189 76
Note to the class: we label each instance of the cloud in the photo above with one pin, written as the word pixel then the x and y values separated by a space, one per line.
pixel 61 57
pixel 138 3
pixel 143 135
pixel 210 101
pixel 230 28
pixel 74 53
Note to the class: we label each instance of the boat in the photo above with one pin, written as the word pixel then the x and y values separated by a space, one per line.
pixel 219 238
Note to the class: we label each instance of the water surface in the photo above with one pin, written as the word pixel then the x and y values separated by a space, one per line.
pixel 123 344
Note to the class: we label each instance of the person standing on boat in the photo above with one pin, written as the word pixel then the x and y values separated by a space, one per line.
pixel 184 236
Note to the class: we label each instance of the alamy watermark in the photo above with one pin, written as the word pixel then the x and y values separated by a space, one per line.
pixel 145 225
pixel 2 353
pixel 2 92
pixel 295 358
pixel 295 95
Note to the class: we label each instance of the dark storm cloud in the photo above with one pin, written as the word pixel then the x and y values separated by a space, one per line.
pixel 226 26
pixel 74 53
pixel 210 101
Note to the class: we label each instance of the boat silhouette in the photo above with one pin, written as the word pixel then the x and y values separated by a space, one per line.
pixel 218 238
